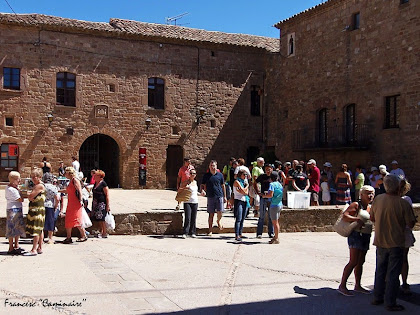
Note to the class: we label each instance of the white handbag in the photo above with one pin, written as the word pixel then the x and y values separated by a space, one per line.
pixel 342 227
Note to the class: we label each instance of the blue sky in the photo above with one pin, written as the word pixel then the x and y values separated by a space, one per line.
pixel 245 16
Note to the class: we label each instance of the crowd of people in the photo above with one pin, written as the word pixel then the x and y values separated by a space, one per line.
pixel 372 198
pixel 45 195
pixel 375 198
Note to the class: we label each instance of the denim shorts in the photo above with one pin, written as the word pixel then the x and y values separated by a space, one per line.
pixel 215 204
pixel 359 240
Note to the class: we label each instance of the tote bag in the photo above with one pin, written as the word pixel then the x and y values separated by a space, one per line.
pixel 342 227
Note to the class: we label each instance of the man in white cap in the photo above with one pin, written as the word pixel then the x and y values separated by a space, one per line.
pixel 396 170
pixel 314 176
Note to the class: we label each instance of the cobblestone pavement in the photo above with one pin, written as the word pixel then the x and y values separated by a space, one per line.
pixel 207 275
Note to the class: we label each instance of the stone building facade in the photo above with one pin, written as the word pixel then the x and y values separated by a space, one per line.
pixel 113 88
pixel 341 85
pixel 346 87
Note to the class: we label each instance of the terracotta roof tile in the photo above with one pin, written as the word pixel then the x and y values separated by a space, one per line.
pixel 143 30
pixel 316 7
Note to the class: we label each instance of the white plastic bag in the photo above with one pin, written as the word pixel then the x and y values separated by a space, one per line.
pixel 110 221
pixel 86 222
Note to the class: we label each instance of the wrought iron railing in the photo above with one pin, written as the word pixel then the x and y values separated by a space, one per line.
pixel 357 136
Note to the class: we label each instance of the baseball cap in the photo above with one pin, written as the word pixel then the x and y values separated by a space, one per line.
pixel 394 162
pixel 311 161
pixel 373 168
pixel 327 164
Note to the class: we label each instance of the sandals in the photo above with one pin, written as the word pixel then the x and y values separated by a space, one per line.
pixel 30 254
pixel 345 293
pixel 362 290
pixel 39 251
pixel 80 240
pixel 16 251
pixel 395 308
pixel 67 241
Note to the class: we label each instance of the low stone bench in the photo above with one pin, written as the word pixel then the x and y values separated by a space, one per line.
pixel 163 222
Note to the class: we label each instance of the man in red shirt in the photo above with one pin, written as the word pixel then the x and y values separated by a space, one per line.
pixel 314 176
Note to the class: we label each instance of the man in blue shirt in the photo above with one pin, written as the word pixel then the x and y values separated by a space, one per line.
pixel 213 185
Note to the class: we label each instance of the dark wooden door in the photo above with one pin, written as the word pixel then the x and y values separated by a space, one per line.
pixel 174 160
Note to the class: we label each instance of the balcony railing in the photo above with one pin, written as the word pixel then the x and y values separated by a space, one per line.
pixel 356 136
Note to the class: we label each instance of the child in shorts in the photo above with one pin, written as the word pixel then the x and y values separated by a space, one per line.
pixel 325 188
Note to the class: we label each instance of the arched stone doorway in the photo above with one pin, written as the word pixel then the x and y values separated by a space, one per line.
pixel 101 152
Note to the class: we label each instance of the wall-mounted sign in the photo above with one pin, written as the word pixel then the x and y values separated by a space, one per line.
pixel 101 111
pixel 142 166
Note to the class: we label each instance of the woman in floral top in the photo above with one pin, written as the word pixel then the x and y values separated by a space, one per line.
pixel 100 203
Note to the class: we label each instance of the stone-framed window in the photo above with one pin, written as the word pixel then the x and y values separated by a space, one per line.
pixel 156 93
pixel 291 44
pixel 350 123
pixel 355 21
pixel 11 78
pixel 66 89
pixel 9 121
pixel 255 101
pixel 392 115
pixel 322 126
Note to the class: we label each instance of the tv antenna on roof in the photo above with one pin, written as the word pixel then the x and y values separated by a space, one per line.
pixel 170 20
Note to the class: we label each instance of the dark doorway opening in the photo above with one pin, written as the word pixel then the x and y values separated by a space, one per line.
pixel 174 160
pixel 101 152
pixel 252 154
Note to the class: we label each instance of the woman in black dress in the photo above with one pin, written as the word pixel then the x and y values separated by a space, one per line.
pixel 100 203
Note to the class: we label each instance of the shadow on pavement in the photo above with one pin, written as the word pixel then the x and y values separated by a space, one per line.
pixel 310 301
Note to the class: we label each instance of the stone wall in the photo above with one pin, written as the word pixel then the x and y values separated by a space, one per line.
pixel 216 77
pixel 334 66
pixel 319 219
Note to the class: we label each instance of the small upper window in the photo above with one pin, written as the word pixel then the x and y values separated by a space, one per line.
pixel 392 116
pixel 11 78
pixel 356 21
pixel 403 1
pixel 9 121
pixel 156 89
pixel 66 89
pixel 291 44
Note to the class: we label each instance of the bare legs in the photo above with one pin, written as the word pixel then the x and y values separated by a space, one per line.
pixel 219 218
pixel 102 225
pixel 13 243
pixel 276 226
pixel 37 244
pixel 404 270
pixel 357 259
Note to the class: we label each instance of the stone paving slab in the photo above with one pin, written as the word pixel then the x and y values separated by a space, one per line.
pixel 207 275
